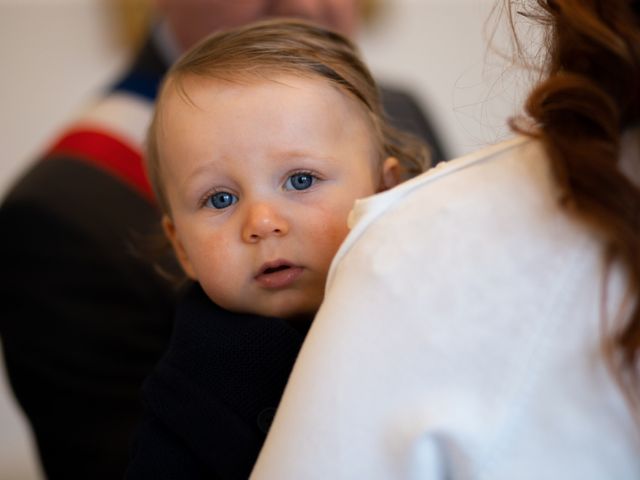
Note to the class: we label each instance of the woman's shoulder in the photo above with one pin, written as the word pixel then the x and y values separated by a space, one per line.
pixel 477 193
pixel 471 171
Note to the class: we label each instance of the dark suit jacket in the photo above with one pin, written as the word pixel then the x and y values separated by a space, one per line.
pixel 211 398
pixel 84 319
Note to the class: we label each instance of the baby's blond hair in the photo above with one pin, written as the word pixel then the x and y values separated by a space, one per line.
pixel 267 48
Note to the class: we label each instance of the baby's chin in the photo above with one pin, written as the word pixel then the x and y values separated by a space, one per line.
pixel 292 306
pixel 289 311
pixel 292 315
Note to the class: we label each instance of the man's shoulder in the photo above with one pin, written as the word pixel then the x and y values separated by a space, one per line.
pixel 70 191
pixel 408 113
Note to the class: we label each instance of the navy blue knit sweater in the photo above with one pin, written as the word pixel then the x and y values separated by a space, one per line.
pixel 210 400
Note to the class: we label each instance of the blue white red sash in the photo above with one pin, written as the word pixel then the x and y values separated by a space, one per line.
pixel 110 136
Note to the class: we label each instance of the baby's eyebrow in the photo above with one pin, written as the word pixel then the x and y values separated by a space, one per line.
pixel 192 181
pixel 206 168
pixel 289 155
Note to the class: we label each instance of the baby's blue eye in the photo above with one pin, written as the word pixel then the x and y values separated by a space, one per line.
pixel 221 200
pixel 300 181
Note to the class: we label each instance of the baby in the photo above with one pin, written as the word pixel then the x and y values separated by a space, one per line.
pixel 262 140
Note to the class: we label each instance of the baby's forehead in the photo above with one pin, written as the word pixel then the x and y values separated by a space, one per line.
pixel 197 106
pixel 282 111
pixel 200 91
pixel 184 85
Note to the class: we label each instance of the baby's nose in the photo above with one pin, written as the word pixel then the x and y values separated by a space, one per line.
pixel 262 221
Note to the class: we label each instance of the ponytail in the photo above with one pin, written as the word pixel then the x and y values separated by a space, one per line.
pixel 591 94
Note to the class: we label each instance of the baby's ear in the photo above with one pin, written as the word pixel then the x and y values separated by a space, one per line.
pixel 181 254
pixel 391 173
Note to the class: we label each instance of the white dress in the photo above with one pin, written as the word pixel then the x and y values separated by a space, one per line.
pixel 460 338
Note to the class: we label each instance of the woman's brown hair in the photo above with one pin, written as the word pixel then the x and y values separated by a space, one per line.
pixel 589 96
pixel 297 47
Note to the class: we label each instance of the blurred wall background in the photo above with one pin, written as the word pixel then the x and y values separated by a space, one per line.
pixel 56 54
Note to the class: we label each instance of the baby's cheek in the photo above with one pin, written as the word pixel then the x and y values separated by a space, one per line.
pixel 216 266
pixel 330 232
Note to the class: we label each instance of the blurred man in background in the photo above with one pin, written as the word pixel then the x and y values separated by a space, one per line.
pixel 84 318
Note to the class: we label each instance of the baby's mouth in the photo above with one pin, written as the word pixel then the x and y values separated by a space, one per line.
pixel 269 270
pixel 278 274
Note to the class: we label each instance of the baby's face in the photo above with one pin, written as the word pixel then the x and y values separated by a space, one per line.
pixel 260 178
